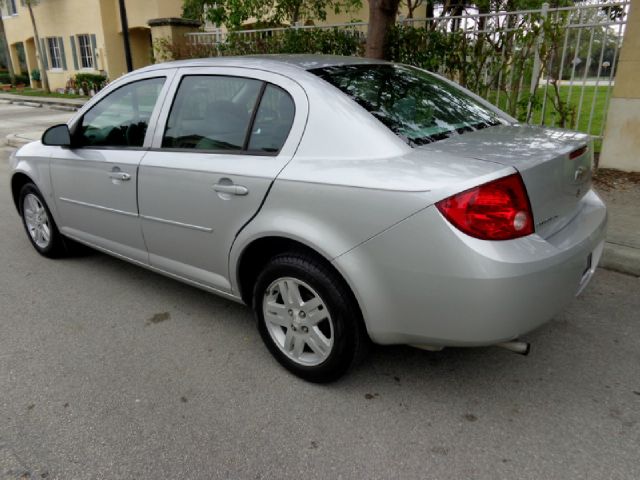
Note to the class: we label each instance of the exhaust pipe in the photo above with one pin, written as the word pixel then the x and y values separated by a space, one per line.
pixel 523 348
pixel 429 348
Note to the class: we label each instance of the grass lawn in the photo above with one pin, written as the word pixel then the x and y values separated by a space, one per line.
pixel 589 95
pixel 30 92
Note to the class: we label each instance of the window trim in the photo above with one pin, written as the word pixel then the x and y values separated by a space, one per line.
pixel 89 48
pixel 250 153
pixel 52 57
pixel 153 119
pixel 244 151
pixel 12 9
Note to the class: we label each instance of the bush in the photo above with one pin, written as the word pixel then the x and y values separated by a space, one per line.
pixel 90 81
pixel 326 41
pixel 4 78
pixel 419 46
pixel 35 75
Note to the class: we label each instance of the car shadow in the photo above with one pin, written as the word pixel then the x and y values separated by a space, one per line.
pixel 401 373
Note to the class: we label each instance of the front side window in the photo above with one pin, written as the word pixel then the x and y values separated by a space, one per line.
pixel 55 55
pixel 212 113
pixel 417 106
pixel 86 52
pixel 121 118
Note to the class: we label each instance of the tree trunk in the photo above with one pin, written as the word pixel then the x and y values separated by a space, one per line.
pixel 7 54
pixel 295 14
pixel 43 71
pixel 382 16
pixel 430 13
pixel 446 7
pixel 412 5
pixel 457 10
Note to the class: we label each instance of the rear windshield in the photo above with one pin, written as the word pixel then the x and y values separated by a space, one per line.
pixel 417 106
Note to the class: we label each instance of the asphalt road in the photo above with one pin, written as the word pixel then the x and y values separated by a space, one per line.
pixel 108 371
pixel 18 119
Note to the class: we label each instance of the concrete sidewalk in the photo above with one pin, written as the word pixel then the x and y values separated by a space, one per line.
pixel 621 194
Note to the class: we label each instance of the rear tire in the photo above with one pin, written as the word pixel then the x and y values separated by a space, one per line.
pixel 38 222
pixel 308 318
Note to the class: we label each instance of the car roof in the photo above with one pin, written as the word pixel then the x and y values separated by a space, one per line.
pixel 276 62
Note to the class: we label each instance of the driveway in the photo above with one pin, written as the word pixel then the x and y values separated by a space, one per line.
pixel 110 371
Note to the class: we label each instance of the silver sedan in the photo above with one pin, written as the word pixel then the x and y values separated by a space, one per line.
pixel 345 200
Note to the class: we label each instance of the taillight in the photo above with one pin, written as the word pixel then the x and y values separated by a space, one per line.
pixel 498 210
pixel 578 153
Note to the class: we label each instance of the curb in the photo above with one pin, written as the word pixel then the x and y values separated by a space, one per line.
pixel 38 102
pixel 621 258
pixel 16 141
pixel 28 104
pixel 64 108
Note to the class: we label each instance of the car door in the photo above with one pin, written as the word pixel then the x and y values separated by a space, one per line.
pixel 95 181
pixel 218 147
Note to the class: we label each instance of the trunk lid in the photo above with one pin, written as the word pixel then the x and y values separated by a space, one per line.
pixel 555 166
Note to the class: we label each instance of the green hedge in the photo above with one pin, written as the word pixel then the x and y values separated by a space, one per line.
pixel 4 78
pixel 90 81
pixel 325 41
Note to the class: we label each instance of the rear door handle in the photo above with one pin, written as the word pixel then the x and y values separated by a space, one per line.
pixel 120 176
pixel 231 189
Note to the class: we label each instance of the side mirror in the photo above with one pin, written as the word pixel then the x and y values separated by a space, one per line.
pixel 57 136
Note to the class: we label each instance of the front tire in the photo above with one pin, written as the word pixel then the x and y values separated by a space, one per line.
pixel 308 318
pixel 38 222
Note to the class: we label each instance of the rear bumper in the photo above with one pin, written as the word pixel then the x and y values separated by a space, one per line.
pixel 425 282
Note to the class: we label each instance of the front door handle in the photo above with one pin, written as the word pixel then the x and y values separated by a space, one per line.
pixel 230 189
pixel 120 176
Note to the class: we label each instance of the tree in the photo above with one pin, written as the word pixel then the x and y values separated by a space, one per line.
pixel 234 13
pixel 382 17
pixel 36 37
pixel 412 5
pixel 5 47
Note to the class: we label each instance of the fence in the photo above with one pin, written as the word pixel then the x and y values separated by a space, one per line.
pixel 547 67
pixel 218 36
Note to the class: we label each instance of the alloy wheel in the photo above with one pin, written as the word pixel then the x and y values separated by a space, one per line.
pixel 298 321
pixel 37 220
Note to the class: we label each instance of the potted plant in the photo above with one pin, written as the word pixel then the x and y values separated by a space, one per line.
pixel 36 80
pixel 71 86
pixel 89 83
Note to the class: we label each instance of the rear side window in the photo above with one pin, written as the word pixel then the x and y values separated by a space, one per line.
pixel 122 117
pixel 212 113
pixel 417 106
pixel 273 120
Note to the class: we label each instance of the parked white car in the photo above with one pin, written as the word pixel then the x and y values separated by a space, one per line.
pixel 343 199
